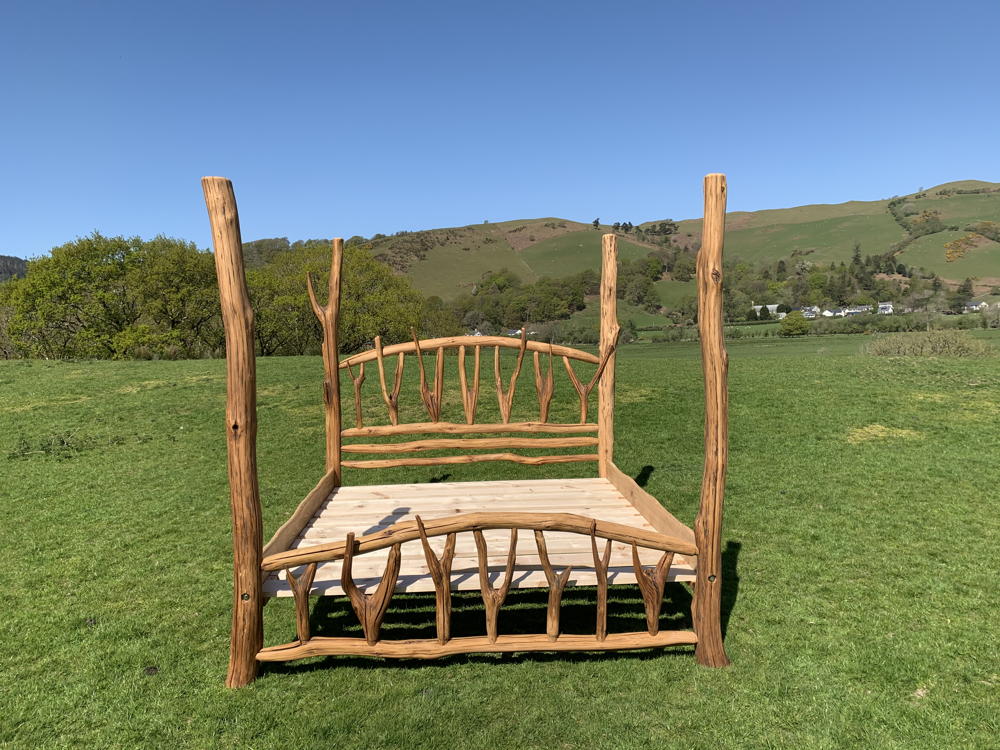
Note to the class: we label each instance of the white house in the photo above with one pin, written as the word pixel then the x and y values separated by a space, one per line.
pixel 885 308
pixel 976 307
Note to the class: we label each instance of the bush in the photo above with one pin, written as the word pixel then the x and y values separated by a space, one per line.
pixel 793 324
pixel 928 344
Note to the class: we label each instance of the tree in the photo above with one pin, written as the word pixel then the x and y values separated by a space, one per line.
pixel 793 324
pixel 752 314
pixel 616 226
pixel 596 223
pixel 764 314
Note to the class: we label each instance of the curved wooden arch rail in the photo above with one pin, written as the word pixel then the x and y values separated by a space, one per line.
pixel 408 531
pixel 453 342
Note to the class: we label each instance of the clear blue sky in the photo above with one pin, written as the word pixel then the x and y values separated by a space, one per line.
pixel 343 118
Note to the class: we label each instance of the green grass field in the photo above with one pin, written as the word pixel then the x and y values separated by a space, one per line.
pixel 859 546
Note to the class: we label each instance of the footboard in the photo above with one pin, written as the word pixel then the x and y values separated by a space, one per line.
pixel 370 608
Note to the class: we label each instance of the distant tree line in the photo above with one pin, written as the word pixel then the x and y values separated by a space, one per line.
pixel 117 297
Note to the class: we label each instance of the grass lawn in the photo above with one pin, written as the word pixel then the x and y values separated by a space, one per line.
pixel 860 548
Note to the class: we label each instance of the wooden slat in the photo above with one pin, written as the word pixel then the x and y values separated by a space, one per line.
pixel 432 649
pixel 472 458
pixel 415 446
pixel 418 428
pixel 407 531
pixel 407 347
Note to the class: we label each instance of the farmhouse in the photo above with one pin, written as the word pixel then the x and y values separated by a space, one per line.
pixel 975 307
pixel 858 310
pixel 885 308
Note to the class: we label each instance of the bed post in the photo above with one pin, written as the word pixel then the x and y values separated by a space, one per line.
pixel 707 604
pixel 329 318
pixel 609 339
pixel 247 635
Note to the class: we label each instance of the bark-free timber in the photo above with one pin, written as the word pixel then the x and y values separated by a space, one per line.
pixel 611 506
pixel 407 531
pixel 247 635
pixel 432 649
pixel 707 601
pixel 329 318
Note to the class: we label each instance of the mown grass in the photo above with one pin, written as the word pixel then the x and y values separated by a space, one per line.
pixel 860 553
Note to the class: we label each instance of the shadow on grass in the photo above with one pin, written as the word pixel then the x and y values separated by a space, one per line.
pixel 642 478
pixel 412 616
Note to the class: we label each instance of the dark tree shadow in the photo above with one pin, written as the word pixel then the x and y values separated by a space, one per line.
pixel 642 478
pixel 730 581
pixel 441 478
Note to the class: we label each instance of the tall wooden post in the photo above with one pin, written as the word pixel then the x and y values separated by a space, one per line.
pixel 707 603
pixel 247 635
pixel 329 318
pixel 608 341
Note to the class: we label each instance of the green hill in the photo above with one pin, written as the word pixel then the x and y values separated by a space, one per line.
pixel 448 261
pixel 914 228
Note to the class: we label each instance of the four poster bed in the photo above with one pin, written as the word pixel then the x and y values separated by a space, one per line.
pixel 367 542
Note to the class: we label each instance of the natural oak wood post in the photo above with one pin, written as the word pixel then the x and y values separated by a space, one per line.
pixel 247 635
pixel 707 601
pixel 609 340
pixel 329 318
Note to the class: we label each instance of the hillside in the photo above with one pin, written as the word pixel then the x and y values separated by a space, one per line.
pixel 11 267
pixel 448 261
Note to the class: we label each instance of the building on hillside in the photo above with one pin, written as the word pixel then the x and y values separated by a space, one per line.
pixel 885 308
pixel 771 309
pixel 810 312
pixel 858 310
pixel 976 307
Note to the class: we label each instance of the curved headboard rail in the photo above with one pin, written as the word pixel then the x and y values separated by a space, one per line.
pixel 453 342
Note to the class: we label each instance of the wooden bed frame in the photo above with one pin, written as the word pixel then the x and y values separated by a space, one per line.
pixel 369 541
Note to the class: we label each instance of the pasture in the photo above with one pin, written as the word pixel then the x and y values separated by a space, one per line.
pixel 860 547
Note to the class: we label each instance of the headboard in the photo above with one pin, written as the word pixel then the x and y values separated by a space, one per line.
pixel 590 440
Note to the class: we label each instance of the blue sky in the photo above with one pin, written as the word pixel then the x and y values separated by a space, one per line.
pixel 343 118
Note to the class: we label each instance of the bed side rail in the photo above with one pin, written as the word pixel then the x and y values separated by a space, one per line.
pixel 371 608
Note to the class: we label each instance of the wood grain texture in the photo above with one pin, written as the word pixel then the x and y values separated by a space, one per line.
pixel 370 608
pixel 470 395
pixel 451 342
pixel 651 583
pixel 608 343
pixel 431 398
pixel 391 398
pixel 454 428
pixel 493 598
pixel 415 446
pixel 357 382
pixel 471 458
pixel 329 318
pixel 431 649
pixel 659 517
pixel 557 583
pixel 301 585
pixel 505 397
pixel 440 570
pixel 247 634
pixel 601 570
pixel 707 600
pixel 306 509
pixel 407 531
pixel 544 386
